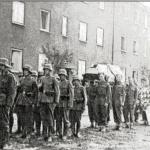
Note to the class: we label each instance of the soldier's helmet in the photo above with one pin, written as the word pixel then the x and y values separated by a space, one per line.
pixel 34 73
pixel 76 78
pixel 5 62
pixel 48 66
pixel 27 67
pixel 20 74
pixel 62 72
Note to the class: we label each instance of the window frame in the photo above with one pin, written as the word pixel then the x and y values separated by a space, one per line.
pixel 66 26
pixel 17 50
pixel 49 19
pixel 15 22
pixel 123 49
pixel 97 37
pixel 86 32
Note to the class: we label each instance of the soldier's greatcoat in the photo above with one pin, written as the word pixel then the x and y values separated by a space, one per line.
pixel 103 94
pixel 7 95
pixel 118 95
pixel 48 101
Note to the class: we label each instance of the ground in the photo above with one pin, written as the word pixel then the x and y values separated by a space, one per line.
pixel 91 139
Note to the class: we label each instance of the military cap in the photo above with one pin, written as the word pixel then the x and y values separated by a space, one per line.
pixel 27 67
pixel 48 66
pixel 76 78
pixel 34 73
pixel 4 61
pixel 63 72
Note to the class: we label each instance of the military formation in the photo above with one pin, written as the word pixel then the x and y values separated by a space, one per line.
pixel 47 104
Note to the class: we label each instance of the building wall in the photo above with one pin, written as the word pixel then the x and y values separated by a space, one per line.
pixel 30 39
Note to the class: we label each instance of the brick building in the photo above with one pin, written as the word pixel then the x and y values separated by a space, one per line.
pixel 96 32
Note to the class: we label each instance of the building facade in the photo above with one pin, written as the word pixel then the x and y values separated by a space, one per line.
pixel 95 32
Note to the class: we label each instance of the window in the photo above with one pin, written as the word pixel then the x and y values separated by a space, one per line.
pixel 100 36
pixel 64 26
pixel 123 43
pixel 101 5
pixel 45 20
pixel 134 47
pixel 16 59
pixel 81 68
pixel 18 12
pixel 83 32
pixel 42 60
pixel 145 22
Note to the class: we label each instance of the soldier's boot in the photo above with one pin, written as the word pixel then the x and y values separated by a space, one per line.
pixel 78 129
pixel 127 125
pixel 73 129
pixel 92 124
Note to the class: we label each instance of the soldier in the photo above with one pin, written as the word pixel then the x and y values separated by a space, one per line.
pixel 50 97
pixel 27 99
pixel 78 106
pixel 7 95
pixel 129 104
pixel 36 109
pixel 17 107
pixel 118 96
pixel 102 100
pixel 66 102
pixel 56 111
pixel 91 103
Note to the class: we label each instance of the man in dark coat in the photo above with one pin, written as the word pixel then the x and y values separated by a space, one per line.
pixel 48 102
pixel 65 103
pixel 7 95
pixel 78 106
pixel 130 102
pixel 103 94
pixel 118 96
pixel 27 99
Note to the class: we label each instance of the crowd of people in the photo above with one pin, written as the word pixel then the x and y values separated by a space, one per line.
pixel 47 104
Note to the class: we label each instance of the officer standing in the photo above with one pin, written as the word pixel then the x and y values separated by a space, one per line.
pixel 78 106
pixel 50 97
pixel 91 103
pixel 36 109
pixel 66 102
pixel 118 96
pixel 103 94
pixel 7 95
pixel 27 100
pixel 129 104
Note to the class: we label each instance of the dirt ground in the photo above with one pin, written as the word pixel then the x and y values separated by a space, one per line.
pixel 91 139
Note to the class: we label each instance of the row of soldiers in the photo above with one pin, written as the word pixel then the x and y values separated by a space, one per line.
pixel 40 100
pixel 102 95
pixel 48 98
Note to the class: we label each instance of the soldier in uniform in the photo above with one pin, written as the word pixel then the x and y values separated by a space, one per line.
pixel 50 97
pixel 7 95
pixel 91 103
pixel 102 100
pixel 56 111
pixel 17 107
pixel 130 102
pixel 118 96
pixel 27 99
pixel 66 102
pixel 78 106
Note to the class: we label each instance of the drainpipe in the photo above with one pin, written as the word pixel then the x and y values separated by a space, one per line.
pixel 113 33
